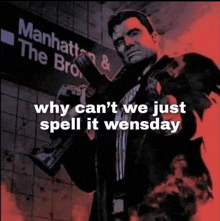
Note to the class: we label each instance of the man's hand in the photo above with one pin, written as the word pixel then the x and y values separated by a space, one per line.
pixel 72 95
pixel 80 92
pixel 169 99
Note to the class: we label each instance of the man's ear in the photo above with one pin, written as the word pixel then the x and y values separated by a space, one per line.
pixel 155 37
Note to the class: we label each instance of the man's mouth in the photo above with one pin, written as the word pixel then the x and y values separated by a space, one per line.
pixel 130 54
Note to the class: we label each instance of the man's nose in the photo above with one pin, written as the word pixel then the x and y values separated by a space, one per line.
pixel 128 41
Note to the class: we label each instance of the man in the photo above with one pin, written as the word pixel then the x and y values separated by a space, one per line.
pixel 131 165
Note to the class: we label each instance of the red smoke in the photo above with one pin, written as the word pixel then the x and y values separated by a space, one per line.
pixel 196 28
pixel 9 210
pixel 190 195
pixel 80 212
pixel 210 130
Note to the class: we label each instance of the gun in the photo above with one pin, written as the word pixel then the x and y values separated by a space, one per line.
pixel 99 91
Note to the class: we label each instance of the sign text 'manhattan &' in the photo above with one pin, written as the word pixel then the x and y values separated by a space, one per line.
pixel 51 41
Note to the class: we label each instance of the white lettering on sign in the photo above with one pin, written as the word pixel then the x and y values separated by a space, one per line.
pixel 27 30
pixel 62 65
pixel 33 54
pixel 51 40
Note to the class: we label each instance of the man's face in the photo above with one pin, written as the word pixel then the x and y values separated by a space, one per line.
pixel 133 41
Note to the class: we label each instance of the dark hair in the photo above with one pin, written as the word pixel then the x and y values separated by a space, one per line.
pixel 121 16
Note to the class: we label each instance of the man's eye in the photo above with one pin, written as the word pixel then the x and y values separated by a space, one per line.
pixel 134 33
pixel 120 42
